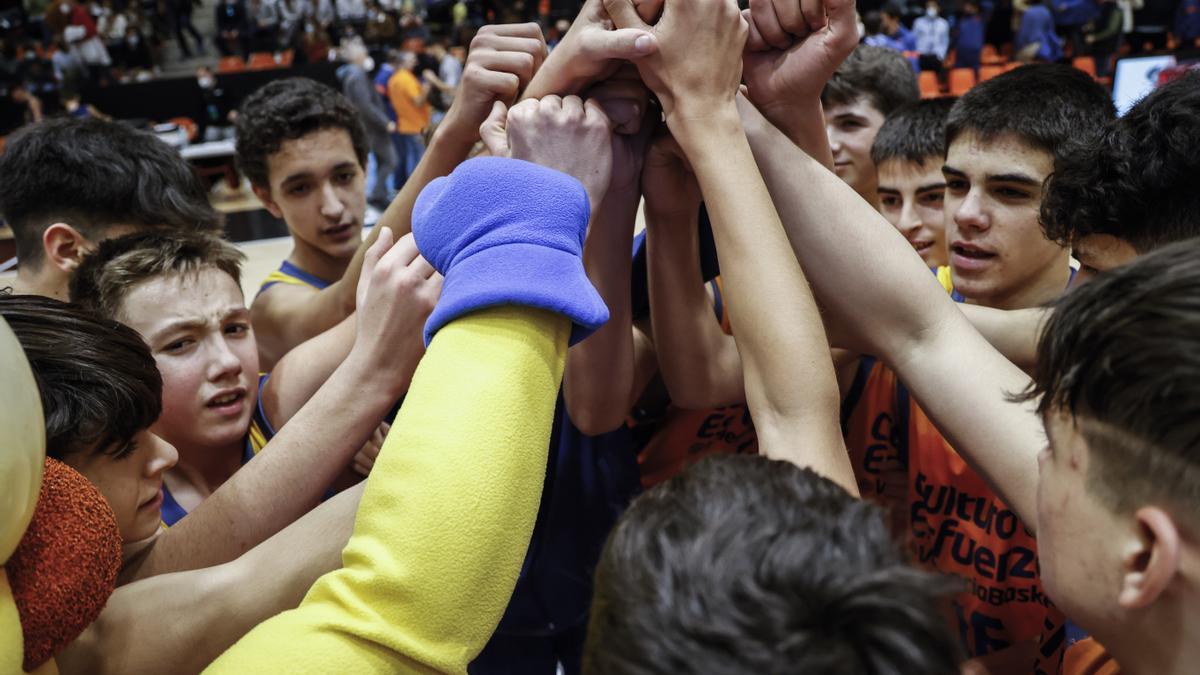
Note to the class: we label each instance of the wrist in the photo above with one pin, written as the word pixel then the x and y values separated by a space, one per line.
pixel 700 132
pixel 454 135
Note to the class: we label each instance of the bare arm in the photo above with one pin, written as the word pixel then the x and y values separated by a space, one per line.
pixel 598 383
pixel 902 314
pixel 194 616
pixel 775 318
pixel 699 362
pixel 1014 333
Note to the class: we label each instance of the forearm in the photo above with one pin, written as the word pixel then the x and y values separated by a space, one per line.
pixel 1014 333
pixel 446 515
pixel 449 147
pixel 196 615
pixel 804 125
pixel 286 479
pixel 598 381
pixel 698 361
pixel 776 323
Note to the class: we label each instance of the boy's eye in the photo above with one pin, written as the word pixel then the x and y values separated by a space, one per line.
pixel 177 345
pixel 957 185
pixel 237 329
pixel 345 177
pixel 1012 193
pixel 890 201
pixel 298 190
pixel 932 198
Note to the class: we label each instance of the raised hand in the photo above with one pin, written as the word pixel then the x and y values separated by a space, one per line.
pixel 698 66
pixel 793 50
pixel 565 134
pixel 396 293
pixel 502 61
pixel 626 102
pixel 593 50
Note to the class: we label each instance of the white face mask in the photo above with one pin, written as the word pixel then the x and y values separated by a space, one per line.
pixel 931 11
pixel 368 64
pixel 205 82
pixel 65 8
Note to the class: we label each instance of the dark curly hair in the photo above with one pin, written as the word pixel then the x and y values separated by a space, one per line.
pixel 1138 182
pixel 98 382
pixel 742 564
pixel 288 109
pixel 92 175
pixel 882 76
pixel 1049 106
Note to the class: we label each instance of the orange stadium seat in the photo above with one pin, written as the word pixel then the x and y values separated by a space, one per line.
pixel 961 81
pixel 929 84
pixel 230 64
pixel 1085 63
pixel 988 72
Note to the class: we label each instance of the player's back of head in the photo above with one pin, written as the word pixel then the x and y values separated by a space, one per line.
pixel 99 384
pixel 1138 181
pixel 95 175
pixel 742 564
pixel 1047 106
pixel 881 76
pixel 915 133
pixel 1121 356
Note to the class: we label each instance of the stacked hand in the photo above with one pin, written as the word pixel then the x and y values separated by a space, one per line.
pixel 626 103
pixel 793 50
pixel 502 61
pixel 668 184
pixel 565 134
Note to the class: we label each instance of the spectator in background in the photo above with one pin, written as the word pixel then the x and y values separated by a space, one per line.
pixel 933 37
pixel 1104 38
pixel 182 11
pixel 292 14
pixel 265 14
pixel 381 26
pixel 898 37
pixel 1070 16
pixel 1187 24
pixel 873 30
pixel 1036 39
pixel 445 81
pixel 413 114
pixel 68 68
pixel 356 85
pixel 137 53
pixel 968 46
pixel 231 29
pixel 323 12
pixel 111 26
pixel 315 42
pixel 215 117
pixel 83 39
pixel 351 16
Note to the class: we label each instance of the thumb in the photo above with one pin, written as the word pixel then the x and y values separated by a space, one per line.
pixel 624 43
pixel 371 260
pixel 494 131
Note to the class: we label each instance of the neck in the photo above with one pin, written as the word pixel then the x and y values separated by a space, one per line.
pixel 317 262
pixel 1040 291
pixel 1159 641
pixel 42 282
pixel 207 469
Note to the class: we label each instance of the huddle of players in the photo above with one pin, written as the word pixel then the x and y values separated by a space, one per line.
pixel 1053 506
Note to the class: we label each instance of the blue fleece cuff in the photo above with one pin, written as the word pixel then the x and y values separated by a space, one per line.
pixel 508 232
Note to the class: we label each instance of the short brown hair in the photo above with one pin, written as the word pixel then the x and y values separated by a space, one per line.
pixel 881 76
pixel 106 275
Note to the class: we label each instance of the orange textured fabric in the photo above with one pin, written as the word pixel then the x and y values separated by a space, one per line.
pixel 66 564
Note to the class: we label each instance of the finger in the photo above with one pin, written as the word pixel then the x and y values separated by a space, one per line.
pixel 649 10
pixel 790 15
pixel 843 21
pixel 550 105
pixel 502 86
pixel 624 14
pixel 813 12
pixel 572 106
pixel 762 14
pixel 377 251
pixel 494 132
pixel 384 427
pixel 627 44
pixel 531 30
pixel 403 253
pixel 531 46
pixel 520 64
pixel 594 114
pixel 755 43
pixel 422 267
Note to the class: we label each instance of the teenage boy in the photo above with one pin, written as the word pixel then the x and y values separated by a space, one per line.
pixel 908 153
pixel 867 87
pixel 69 183
pixel 1111 497
pixel 100 392
pixel 759 542
pixel 182 293
pixel 301 148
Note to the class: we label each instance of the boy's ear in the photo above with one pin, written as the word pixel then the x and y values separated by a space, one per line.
pixel 64 246
pixel 264 195
pixel 1151 561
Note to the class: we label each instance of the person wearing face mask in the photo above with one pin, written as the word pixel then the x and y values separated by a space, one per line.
pixel 214 115
pixel 232 36
pixel 933 37
pixel 356 85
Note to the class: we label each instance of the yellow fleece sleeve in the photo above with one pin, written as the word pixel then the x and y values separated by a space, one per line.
pixel 446 516
pixel 12 641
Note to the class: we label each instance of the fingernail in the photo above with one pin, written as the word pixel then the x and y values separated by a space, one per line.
pixel 644 44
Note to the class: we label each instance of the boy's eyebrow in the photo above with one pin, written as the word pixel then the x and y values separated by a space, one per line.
pixel 306 174
pixel 932 186
pixel 180 324
pixel 889 190
pixel 1021 178
pixel 949 170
